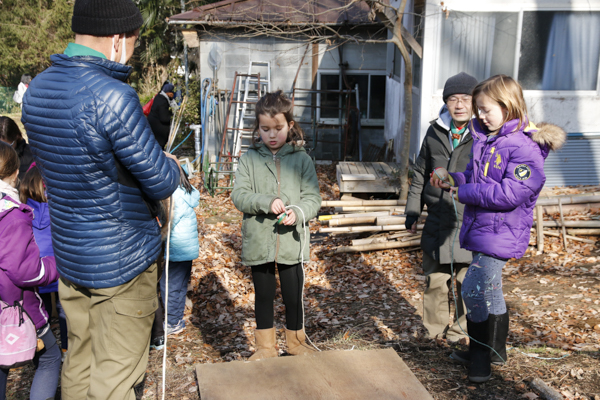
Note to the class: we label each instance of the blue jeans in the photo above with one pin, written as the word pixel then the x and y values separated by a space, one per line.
pixel 482 288
pixel 47 364
pixel 179 276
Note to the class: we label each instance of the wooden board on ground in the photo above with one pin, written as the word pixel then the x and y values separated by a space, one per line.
pixel 331 375
pixel 367 177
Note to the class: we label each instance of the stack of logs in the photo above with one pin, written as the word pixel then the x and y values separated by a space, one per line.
pixel 386 219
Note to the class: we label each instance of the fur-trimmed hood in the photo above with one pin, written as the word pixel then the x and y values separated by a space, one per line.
pixel 548 135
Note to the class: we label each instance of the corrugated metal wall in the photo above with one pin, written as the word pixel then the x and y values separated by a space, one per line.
pixel 577 163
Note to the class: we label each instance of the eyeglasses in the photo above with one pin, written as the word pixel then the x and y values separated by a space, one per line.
pixel 452 100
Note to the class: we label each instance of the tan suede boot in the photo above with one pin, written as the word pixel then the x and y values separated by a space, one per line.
pixel 265 344
pixel 296 343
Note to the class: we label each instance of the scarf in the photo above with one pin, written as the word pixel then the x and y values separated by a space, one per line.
pixel 9 191
pixel 456 133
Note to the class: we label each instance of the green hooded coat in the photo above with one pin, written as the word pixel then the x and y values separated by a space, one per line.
pixel 260 178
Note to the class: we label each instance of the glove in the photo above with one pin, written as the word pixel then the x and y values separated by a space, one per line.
pixel 410 220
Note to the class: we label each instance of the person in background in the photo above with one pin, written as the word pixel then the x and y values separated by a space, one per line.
pixel 11 134
pixel 32 192
pixel 161 114
pixel 105 174
pixel 22 270
pixel 184 248
pixel 447 144
pixel 21 89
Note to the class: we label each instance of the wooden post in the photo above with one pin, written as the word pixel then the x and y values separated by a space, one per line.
pixel 562 222
pixel 539 211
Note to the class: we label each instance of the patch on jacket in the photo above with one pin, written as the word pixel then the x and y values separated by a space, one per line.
pixel 522 172
pixel 498 162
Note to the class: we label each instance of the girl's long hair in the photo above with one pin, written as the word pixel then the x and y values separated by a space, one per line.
pixel 9 160
pixel 32 187
pixel 9 130
pixel 505 91
pixel 275 103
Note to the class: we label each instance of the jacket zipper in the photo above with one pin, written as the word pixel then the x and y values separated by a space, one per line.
pixel 278 167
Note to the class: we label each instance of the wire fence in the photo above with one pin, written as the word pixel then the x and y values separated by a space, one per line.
pixel 7 104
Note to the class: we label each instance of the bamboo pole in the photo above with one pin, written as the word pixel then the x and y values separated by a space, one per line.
pixel 390 220
pixel 398 209
pixel 338 216
pixel 587 198
pixel 539 211
pixel 562 222
pixel 349 229
pixel 571 224
pixel 584 232
pixel 575 238
pixel 379 239
pixel 363 203
pixel 377 246
pixel 352 221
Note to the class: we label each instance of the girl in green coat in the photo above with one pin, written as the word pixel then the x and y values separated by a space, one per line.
pixel 276 188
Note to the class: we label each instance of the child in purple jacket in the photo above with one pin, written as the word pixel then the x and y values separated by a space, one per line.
pixel 32 192
pixel 499 189
pixel 22 270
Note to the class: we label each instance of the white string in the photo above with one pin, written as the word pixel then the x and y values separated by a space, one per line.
pixel 306 230
pixel 166 299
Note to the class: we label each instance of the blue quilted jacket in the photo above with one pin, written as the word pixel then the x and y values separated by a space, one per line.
pixel 97 154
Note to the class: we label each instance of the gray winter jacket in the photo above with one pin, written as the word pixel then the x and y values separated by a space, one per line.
pixel 441 224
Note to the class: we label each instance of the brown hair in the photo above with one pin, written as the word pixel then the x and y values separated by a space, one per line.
pixel 505 91
pixel 9 130
pixel 32 187
pixel 9 160
pixel 272 104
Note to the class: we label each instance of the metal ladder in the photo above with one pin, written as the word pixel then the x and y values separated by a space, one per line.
pixel 256 83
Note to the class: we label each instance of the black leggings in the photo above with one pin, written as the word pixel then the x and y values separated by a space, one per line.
pixel 292 281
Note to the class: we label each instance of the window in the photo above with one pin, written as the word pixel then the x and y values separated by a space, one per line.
pixel 371 95
pixel 559 50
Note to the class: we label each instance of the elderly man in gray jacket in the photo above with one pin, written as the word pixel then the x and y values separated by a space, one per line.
pixel 447 144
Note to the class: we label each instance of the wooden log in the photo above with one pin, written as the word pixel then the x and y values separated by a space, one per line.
pixel 546 392
pixel 584 232
pixel 370 214
pixel 587 198
pixel 352 221
pixel 575 238
pixel 377 246
pixel 571 224
pixel 562 222
pixel 349 229
pixel 540 235
pixel 370 209
pixel 363 203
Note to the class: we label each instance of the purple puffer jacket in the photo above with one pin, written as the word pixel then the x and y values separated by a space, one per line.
pixel 20 264
pixel 501 185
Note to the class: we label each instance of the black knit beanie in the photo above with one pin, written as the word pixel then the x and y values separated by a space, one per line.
pixel 105 17
pixel 462 83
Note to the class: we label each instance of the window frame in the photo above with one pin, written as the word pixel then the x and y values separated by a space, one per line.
pixel 369 73
pixel 515 71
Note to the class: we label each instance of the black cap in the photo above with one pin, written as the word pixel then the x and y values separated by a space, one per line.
pixel 105 17
pixel 462 83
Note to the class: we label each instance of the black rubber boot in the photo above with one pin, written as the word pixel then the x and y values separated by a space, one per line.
pixel 498 328
pixel 480 369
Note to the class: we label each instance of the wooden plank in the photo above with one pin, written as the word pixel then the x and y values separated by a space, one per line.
pixel 370 169
pixel 358 177
pixel 329 375
pixel 345 168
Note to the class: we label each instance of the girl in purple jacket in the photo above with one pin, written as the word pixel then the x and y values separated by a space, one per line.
pixel 499 189
pixel 22 270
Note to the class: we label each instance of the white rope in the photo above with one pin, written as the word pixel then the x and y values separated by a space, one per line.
pixel 306 230
pixel 166 299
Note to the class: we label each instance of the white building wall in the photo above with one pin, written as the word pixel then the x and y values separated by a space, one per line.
pixel 574 111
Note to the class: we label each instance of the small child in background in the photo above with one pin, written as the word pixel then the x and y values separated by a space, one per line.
pixel 499 189
pixel 33 193
pixel 184 248
pixel 22 270
pixel 274 180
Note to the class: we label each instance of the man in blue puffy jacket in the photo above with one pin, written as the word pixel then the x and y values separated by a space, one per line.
pixel 105 174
